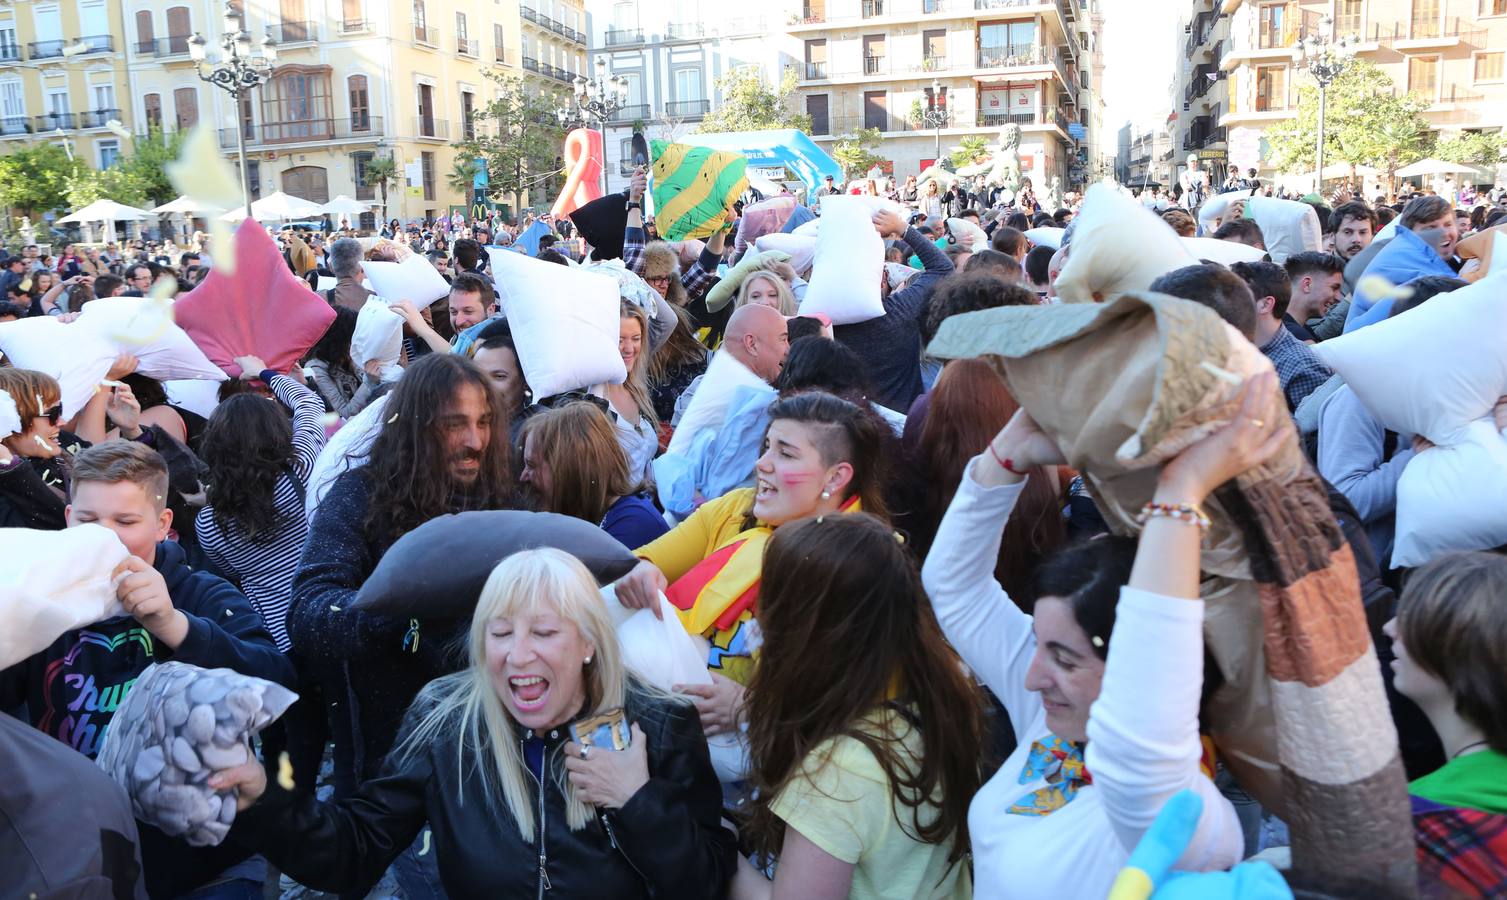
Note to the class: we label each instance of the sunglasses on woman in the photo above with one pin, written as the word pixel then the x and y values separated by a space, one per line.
pixel 53 415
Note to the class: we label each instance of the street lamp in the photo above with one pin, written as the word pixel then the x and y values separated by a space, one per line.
pixel 1325 58
pixel 237 75
pixel 934 116
pixel 594 101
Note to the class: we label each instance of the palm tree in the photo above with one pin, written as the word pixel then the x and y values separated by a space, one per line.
pixel 382 171
pixel 462 176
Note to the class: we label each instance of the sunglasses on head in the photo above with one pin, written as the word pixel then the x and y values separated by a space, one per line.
pixel 53 415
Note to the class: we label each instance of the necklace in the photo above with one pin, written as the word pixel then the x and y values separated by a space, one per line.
pixel 1470 746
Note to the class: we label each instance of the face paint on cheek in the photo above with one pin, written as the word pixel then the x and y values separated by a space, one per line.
pixel 793 479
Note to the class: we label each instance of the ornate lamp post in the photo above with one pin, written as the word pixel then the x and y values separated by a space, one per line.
pixel 237 75
pixel 934 116
pixel 593 102
pixel 1326 58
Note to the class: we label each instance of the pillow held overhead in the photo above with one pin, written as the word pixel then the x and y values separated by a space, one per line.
pixel 413 580
pixel 693 187
pixel 415 278
pixel 798 248
pixel 564 322
pixel 76 357
pixel 1118 246
pixel 1225 253
pixel 1288 226
pixel 378 335
pixel 601 223
pixel 141 327
pixel 845 286
pixel 1045 236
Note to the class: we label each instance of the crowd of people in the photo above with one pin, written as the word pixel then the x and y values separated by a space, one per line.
pixel 926 665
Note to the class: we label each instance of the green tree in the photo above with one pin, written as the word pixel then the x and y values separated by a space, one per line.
pixel 382 171
pixel 34 179
pixel 855 152
pixel 1473 148
pixel 463 172
pixel 147 162
pixel 969 150
pixel 116 183
pixel 1367 122
pixel 519 138
pixel 750 104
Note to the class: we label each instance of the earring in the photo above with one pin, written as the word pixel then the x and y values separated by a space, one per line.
pixel 586 661
pixel 826 495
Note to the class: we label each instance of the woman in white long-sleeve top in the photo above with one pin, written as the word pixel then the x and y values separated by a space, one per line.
pixel 1107 730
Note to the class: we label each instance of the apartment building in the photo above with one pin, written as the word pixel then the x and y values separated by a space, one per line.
pixel 62 77
pixel 554 39
pixel 1243 67
pixel 982 63
pixel 673 54
pixel 1144 158
pixel 353 80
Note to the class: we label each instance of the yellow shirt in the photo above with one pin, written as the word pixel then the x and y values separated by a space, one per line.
pixel 842 803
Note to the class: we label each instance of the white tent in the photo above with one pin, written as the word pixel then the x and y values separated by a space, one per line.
pixel 343 205
pixel 276 207
pixel 186 206
pixel 1433 166
pixel 106 211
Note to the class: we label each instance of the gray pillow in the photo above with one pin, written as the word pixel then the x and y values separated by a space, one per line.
pixel 437 570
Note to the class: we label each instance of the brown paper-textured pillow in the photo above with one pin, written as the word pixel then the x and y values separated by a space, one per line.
pixel 437 570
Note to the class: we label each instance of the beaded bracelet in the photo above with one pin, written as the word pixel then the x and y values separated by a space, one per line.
pixel 1183 512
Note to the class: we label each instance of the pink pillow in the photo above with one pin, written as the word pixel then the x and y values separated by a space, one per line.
pixel 263 310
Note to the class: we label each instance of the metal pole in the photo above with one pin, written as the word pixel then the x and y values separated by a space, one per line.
pixel 602 130
pixel 240 144
pixel 1318 176
pixel 937 152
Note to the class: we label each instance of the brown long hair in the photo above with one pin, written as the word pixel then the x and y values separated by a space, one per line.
pixel 408 470
pixel 843 432
pixel 847 628
pixel 679 349
pixel 587 466
pixel 969 405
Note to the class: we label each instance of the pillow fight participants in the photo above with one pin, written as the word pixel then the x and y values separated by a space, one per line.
pixel 822 611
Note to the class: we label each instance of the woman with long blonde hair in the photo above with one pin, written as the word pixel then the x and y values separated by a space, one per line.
pixel 629 404
pixel 768 288
pixel 486 757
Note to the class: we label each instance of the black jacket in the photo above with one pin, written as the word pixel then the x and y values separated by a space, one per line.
pixel 25 499
pixel 666 842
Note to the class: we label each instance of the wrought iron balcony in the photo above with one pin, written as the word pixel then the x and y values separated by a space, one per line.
pixel 286 33
pixel 97 118
pixel 304 131
pixel 617 37
pixel 688 109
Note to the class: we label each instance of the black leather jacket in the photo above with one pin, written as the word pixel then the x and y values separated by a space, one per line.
pixel 667 841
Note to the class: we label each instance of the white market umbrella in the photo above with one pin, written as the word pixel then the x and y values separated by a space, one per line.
pixel 106 211
pixel 1433 166
pixel 186 206
pixel 275 207
pixel 343 205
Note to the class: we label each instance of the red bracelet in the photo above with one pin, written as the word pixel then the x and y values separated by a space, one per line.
pixel 1005 462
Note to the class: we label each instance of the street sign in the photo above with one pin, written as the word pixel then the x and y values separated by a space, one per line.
pixel 1077 130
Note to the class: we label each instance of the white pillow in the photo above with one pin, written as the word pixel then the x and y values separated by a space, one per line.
pixel 969 234
pixel 799 248
pixel 1435 368
pixel 77 357
pixel 1225 253
pixel 346 449
pixel 1454 497
pixel 378 334
pixel 415 278
pixel 708 406
pixel 1045 237
pixel 52 582
pixel 1118 246
pixel 1287 226
pixel 808 229
pixel 564 323
pixel 847 264
pixel 195 395
pixel 1216 206
pixel 10 417
pixel 139 326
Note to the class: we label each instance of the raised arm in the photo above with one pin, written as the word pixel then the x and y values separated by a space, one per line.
pixel 308 420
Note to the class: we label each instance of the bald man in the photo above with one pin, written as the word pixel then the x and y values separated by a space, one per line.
pixel 756 336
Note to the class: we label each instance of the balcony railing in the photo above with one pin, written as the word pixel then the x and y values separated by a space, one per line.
pixel 529 14
pixel 10 53
pixel 97 118
pixel 688 109
pixel 685 31
pixel 426 35
pixel 1012 56
pixel 994 118
pixel 54 121
pixel 429 127
pixel 872 8
pixel 556 73
pixel 172 45
pixel 98 43
pixel 273 133
pixel 635 113
pixel 352 26
pixel 530 64
pixel 467 47
pixel 286 33
pixel 617 37
pixel 873 65
pixel 933 63
pixel 45 49
pixel 13 125
pixel 816 70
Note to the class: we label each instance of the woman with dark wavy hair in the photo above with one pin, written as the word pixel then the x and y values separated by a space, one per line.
pixel 863 730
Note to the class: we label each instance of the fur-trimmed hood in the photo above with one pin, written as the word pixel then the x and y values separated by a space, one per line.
pixel 661 259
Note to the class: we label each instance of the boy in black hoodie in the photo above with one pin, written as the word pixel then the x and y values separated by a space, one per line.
pixel 72 689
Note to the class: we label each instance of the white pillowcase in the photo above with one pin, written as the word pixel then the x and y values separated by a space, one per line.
pixel 415 278
pixel 346 449
pixel 52 582
pixel 77 357
pixel 708 406
pixel 1118 246
pixel 194 395
pixel 10 417
pixel 1225 253
pixel 971 236
pixel 1287 226
pixel 378 335
pixel 1045 237
pixel 138 325
pixel 847 264
pixel 800 248
pixel 564 323
pixel 1454 497
pixel 1216 206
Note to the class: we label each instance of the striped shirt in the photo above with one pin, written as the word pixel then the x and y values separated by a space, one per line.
pixel 264 569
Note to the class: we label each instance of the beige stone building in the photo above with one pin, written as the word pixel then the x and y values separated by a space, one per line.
pixel 63 76
pixel 1242 68
pixel 874 64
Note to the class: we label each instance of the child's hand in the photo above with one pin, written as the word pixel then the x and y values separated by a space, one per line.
pixel 143 593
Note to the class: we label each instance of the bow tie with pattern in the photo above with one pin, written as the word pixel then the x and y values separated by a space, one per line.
pixel 1061 764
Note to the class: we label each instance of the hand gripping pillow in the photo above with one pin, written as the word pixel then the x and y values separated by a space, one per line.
pixel 1453 497
pixel 52 582
pixel 415 278
pixel 1485 246
pixel 142 327
pixel 76 357
pixel 180 724
pixel 1216 206
pixel 708 406
pixel 799 248
pixel 378 335
pixel 1118 246
pixel 437 570
pixel 847 264
pixel 1045 237
pixel 564 322
pixel 1288 226
pixel 1226 253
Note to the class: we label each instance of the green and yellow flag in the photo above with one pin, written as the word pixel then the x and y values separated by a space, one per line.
pixel 693 186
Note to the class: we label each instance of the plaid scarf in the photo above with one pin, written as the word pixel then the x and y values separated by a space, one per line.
pixel 1461 852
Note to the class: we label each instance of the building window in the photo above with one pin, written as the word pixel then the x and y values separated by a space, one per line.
pixel 1347 16
pixel 109 152
pixel 308 182
pixel 1494 7
pixel 420 15
pixel 185 108
pixel 499 43
pixel 873 54
pixel 296 105
pixel 1426 18
pixel 179 29
pixel 254 178
pixel 351 18
pixel 104 98
pixel 1489 66
pixel 248 124
pixel 816 58
pixel 460 26
pixel 1271 88
pixel 688 84
pixel 1272 20
pixel 364 189
pixel 361 110
pixel 151 106
pixel 1006 44
pixel 934 48
pixel 426 160
pixel 876 110
pixel 1423 76
pixel 816 108
pixel 468 115
pixel 12 108
pixel 9 49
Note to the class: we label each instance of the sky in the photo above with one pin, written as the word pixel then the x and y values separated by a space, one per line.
pixel 1142 46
